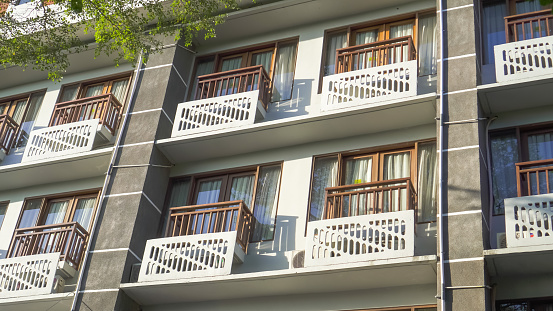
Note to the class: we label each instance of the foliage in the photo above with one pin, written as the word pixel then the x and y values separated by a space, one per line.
pixel 41 34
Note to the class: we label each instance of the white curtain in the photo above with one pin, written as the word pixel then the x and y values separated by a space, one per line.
pixel 56 213
pixel 540 147
pixel 69 93
pixel 30 213
pixel 283 77
pixel 179 193
pixel 94 90
pixel 3 208
pixel 231 64
pixel 428 45
pixel 397 165
pixel 208 192
pixel 118 89
pixel 493 24
pixel 325 172
pixel 504 151
pixel 204 67
pixel 242 189
pixel 364 38
pixel 333 42
pixel 34 106
pixel 264 211
pixel 263 58
pixel 19 110
pixel 83 212
pixel 396 32
pixel 427 188
pixel 357 171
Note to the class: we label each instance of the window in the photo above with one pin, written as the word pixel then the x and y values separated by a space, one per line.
pixel 493 28
pixel 520 144
pixel 537 304
pixel 3 209
pixel 257 186
pixel 277 58
pixel 416 162
pixel 424 38
pixel 23 109
pixel 58 209
pixel 117 86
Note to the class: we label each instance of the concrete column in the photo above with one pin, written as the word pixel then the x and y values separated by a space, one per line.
pixel 464 178
pixel 131 212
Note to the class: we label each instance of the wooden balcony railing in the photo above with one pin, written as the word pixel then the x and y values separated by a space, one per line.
pixel 234 82
pixel 69 239
pixel 534 177
pixel 104 107
pixel 528 26
pixel 375 54
pixel 370 198
pixel 8 129
pixel 212 218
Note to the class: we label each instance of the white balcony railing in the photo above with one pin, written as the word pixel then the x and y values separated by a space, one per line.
pixel 523 59
pixel 218 113
pixel 61 140
pixel 360 238
pixel 529 220
pixel 371 85
pixel 189 256
pixel 28 275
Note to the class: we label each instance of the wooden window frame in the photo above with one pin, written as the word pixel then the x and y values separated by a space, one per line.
pixel 383 25
pixel 108 81
pixel 229 173
pixel 246 53
pixel 74 197
pixel 378 154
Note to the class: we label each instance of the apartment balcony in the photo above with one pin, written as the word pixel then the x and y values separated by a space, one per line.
pixel 202 240
pixel 76 126
pixel 8 129
pixel 41 258
pixel 370 73
pixel 364 222
pixel 225 100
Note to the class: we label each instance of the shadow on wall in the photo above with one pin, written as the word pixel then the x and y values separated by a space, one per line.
pixel 301 98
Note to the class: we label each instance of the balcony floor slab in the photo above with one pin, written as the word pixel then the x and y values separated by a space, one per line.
pixel 520 261
pixel 358 120
pixel 332 278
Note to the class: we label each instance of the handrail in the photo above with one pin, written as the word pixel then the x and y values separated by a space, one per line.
pixel 533 175
pixel 69 239
pixel 369 198
pixel 8 129
pixel 212 218
pixel 104 107
pixel 513 22
pixel 234 82
pixel 374 54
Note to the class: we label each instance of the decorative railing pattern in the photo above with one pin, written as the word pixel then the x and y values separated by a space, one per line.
pixel 26 276
pixel 371 85
pixel 529 220
pixel 8 128
pixel 188 256
pixel 217 113
pixel 234 82
pixel 360 238
pixel 528 26
pixel 523 59
pixel 68 239
pixel 375 54
pixel 212 218
pixel 534 176
pixel 370 198
pixel 61 140
pixel 106 108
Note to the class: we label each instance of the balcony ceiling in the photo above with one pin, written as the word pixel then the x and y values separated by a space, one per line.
pixel 335 278
pixel 516 95
pixel 341 123
pixel 53 302
pixel 520 261
pixel 60 169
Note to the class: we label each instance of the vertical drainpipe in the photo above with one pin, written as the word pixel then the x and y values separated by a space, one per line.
pixel 106 181
pixel 440 159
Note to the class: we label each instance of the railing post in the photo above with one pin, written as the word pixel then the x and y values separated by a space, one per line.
pixel 519 184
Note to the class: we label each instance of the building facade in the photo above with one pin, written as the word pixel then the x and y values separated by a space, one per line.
pixel 315 155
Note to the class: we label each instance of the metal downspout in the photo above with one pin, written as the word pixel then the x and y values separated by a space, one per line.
pixel 106 181
pixel 440 159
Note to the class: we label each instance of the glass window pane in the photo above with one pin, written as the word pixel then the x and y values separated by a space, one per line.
pixel 69 93
pixel 242 189
pixel 493 27
pixel 19 111
pixel 208 192
pixel 3 209
pixel 513 307
pixel 27 125
pixel 357 171
pixel 231 63
pixel 427 189
pixel 118 89
pixel 179 193
pixel 285 67
pixel 333 42
pixel 30 213
pixel 397 165
pixel 263 58
pixel 264 211
pixel 94 90
pixel 325 173
pixel 56 212
pixel 204 67
pixel 428 45
pixel 504 150
pixel 83 212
